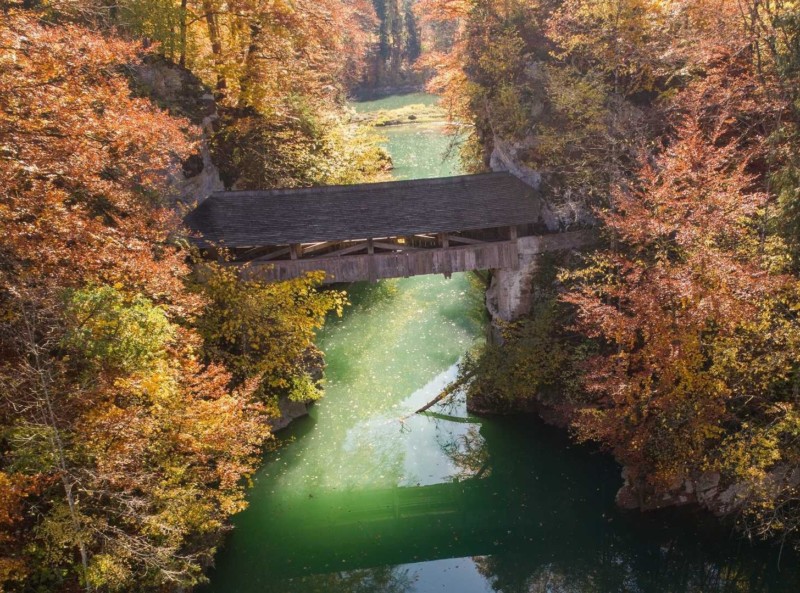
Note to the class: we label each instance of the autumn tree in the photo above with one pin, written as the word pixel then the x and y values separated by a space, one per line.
pixel 125 448
pixel 514 72
pixel 280 73
pixel 695 304
pixel 693 325
pixel 675 346
pixel 241 330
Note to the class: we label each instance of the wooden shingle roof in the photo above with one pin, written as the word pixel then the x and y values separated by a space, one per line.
pixel 349 212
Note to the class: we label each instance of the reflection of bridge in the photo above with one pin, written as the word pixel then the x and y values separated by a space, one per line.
pixel 348 530
pixel 379 230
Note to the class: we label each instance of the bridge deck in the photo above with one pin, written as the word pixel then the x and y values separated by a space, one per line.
pixel 371 231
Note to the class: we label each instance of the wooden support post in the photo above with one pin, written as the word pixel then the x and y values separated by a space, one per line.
pixel 294 252
pixel 373 274
pixel 444 238
pixel 512 233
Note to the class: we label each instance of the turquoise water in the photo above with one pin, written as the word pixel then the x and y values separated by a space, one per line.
pixel 438 159
pixel 395 102
pixel 366 497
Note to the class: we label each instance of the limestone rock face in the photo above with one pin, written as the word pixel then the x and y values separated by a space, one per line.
pixel 509 296
pixel 177 90
pixel 194 183
pixel 289 411
pixel 707 490
pixel 505 157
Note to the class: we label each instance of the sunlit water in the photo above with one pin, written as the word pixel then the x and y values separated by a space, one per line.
pixel 395 102
pixel 366 497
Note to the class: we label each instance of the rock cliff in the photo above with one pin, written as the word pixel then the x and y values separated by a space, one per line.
pixel 180 92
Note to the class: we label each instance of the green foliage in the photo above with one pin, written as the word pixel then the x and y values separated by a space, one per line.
pixel 123 334
pixel 264 331
pixel 257 151
pixel 623 40
pixel 538 358
pixel 156 20
pixel 574 143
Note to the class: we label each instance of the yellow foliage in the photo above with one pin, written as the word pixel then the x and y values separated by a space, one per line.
pixel 265 330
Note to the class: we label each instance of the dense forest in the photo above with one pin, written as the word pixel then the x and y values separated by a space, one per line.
pixel 139 381
pixel 673 126
pixel 138 389
pixel 398 48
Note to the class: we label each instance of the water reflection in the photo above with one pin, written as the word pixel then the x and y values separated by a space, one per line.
pixel 468 452
pixel 383 578
pixel 512 507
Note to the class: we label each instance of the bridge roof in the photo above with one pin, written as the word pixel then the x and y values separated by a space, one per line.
pixel 338 213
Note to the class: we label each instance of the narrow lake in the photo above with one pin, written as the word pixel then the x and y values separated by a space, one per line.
pixel 361 498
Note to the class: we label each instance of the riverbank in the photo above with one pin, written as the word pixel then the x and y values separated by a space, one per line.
pixel 408 109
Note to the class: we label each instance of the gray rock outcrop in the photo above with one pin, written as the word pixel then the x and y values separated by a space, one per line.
pixel 180 92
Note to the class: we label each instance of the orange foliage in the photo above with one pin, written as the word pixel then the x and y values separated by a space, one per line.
pixel 140 458
pixel 83 164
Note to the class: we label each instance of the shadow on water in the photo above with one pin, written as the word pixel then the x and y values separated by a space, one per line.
pixel 525 510
pixel 469 313
pixel 366 295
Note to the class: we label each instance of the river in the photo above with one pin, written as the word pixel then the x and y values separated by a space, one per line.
pixel 362 498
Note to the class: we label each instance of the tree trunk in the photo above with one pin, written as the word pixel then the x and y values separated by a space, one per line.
pixel 45 404
pixel 216 46
pixel 250 70
pixel 182 41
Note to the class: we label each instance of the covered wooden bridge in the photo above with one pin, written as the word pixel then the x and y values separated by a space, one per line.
pixel 375 230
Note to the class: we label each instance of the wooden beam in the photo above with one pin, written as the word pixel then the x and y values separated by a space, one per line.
pixel 395 246
pixel 401 262
pixel 393 264
pixel 252 252
pixel 444 238
pixel 512 233
pixel 295 250
pixel 466 240
pixel 372 271
pixel 312 247
pixel 344 250
pixel 273 255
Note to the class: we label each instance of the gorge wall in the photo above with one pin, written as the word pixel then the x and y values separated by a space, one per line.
pixel 180 92
pixel 513 294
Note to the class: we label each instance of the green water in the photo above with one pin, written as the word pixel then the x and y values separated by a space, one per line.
pixel 410 162
pixel 395 102
pixel 363 499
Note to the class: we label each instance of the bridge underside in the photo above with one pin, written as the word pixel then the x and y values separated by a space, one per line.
pixel 401 257
pixel 383 257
